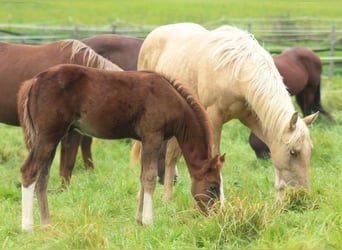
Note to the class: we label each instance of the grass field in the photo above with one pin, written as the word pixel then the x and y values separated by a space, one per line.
pixel 158 12
pixel 98 210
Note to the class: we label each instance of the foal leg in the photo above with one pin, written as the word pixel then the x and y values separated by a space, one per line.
pixel 69 146
pixel 37 163
pixel 148 178
pixel 41 189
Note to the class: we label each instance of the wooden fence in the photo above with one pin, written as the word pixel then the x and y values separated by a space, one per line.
pixel 324 36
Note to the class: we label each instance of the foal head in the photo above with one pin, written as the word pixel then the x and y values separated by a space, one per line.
pixel 207 184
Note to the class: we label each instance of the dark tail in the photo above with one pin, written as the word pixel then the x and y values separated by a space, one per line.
pixel 317 105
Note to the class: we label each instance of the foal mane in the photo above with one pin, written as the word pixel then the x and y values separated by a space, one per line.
pixel 199 112
pixel 90 57
pixel 249 64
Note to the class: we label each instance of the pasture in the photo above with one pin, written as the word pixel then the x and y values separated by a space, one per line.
pixel 98 210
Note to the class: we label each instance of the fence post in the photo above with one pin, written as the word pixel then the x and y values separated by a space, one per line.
pixel 249 27
pixel 75 32
pixel 332 50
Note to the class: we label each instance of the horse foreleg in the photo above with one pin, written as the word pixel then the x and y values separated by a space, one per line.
pixel 172 156
pixel 69 146
pixel 148 178
pixel 86 152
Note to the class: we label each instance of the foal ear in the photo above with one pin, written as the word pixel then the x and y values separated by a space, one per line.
pixel 222 158
pixel 219 160
pixel 310 118
pixel 293 121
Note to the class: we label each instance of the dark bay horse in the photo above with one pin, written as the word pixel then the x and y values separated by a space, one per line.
pixel 301 69
pixel 113 105
pixel 22 62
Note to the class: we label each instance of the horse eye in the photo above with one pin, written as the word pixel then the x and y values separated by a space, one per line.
pixel 293 153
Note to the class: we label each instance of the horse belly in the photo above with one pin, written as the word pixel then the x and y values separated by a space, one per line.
pixel 106 128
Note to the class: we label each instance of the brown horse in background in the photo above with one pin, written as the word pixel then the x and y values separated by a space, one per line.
pixel 113 105
pixel 121 50
pixel 21 62
pixel 301 69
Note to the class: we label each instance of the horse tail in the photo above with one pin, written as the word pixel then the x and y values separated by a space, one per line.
pixel 24 112
pixel 90 57
pixel 135 153
pixel 317 105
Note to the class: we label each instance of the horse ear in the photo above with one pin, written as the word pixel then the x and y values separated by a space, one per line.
pixel 219 160
pixel 222 158
pixel 310 118
pixel 293 121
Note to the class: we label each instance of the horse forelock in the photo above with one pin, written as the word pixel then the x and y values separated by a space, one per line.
pixel 199 112
pixel 90 57
pixel 249 64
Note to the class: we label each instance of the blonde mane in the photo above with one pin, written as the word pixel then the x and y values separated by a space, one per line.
pixel 253 68
pixel 90 57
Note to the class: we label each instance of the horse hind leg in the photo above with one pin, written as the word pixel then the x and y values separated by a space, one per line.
pixel 35 175
pixel 317 105
pixel 41 190
pixel 69 147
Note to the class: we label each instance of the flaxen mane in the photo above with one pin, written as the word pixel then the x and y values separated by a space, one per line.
pixel 251 64
pixel 90 58
pixel 199 111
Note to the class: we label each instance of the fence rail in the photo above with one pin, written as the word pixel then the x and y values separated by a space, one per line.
pixel 322 35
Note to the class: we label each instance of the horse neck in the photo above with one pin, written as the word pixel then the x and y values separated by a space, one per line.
pixel 271 108
pixel 195 140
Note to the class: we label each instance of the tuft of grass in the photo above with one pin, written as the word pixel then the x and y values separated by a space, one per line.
pixel 297 199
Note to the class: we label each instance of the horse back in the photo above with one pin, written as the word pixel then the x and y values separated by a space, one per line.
pixel 105 104
pixel 121 50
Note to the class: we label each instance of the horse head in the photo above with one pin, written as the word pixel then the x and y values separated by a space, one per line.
pixel 207 184
pixel 291 155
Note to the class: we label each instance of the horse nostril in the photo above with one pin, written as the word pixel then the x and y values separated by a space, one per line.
pixel 213 189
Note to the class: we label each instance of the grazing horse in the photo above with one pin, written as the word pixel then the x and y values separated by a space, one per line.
pixel 233 77
pixel 21 62
pixel 301 69
pixel 114 105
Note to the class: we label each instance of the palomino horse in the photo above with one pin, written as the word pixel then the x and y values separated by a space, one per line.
pixel 114 105
pixel 301 70
pixel 233 77
pixel 21 62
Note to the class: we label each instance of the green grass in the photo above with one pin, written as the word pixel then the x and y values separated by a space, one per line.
pixel 157 12
pixel 98 210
